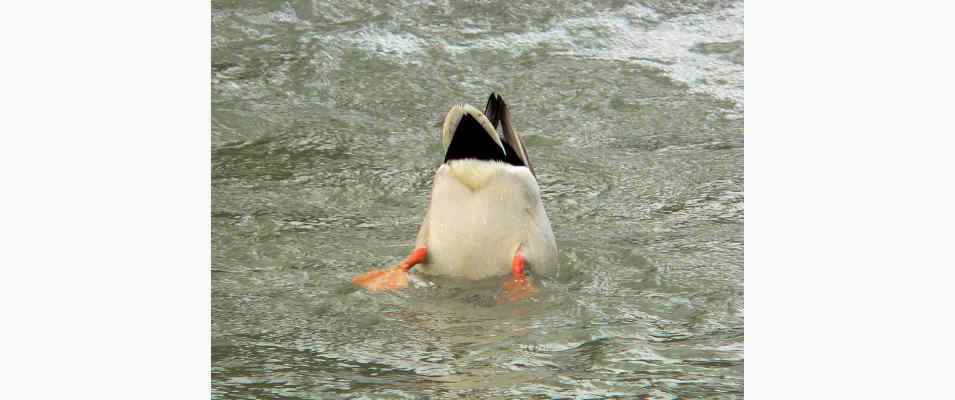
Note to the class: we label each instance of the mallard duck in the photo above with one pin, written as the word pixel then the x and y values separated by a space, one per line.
pixel 485 217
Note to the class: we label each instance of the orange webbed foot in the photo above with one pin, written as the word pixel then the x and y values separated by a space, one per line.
pixel 517 287
pixel 391 279
pixel 516 290
pixel 381 280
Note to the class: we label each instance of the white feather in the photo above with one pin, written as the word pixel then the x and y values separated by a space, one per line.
pixel 480 214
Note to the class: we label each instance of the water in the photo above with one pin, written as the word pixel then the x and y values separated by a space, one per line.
pixel 326 133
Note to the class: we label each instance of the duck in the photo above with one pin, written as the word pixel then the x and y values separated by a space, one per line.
pixel 485 216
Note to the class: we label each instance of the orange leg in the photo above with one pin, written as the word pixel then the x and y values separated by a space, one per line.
pixel 394 278
pixel 517 287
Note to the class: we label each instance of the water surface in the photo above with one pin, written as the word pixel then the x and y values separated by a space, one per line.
pixel 326 133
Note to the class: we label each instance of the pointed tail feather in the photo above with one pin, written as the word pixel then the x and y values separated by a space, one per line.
pixel 498 114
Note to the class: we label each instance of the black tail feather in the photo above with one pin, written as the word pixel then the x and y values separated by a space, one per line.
pixel 495 110
pixel 470 140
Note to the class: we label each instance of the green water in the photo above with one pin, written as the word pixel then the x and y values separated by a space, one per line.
pixel 326 133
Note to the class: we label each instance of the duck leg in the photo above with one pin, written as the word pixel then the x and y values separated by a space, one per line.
pixel 391 279
pixel 517 287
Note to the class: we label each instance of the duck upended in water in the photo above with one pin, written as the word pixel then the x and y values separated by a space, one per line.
pixel 486 217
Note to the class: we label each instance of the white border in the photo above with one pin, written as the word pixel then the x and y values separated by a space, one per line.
pixel 849 200
pixel 105 162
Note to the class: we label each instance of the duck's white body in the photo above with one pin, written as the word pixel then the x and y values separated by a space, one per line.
pixel 481 214
pixel 485 217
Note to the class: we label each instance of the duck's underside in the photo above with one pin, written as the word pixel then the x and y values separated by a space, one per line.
pixel 485 216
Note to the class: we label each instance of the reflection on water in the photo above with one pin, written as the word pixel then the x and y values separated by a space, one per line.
pixel 326 133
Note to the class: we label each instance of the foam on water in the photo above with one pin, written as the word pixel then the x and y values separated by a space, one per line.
pixel 690 49
pixel 703 50
pixel 397 45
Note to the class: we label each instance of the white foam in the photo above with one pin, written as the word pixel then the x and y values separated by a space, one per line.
pixel 400 45
pixel 639 35
pixel 632 34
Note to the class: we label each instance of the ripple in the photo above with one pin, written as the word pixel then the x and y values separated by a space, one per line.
pixel 691 49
